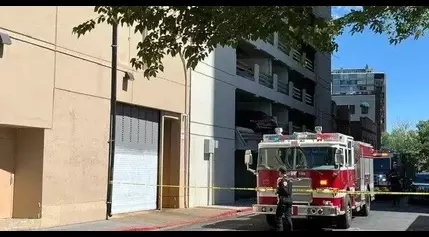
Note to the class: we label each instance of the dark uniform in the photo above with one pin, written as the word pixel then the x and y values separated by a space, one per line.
pixel 395 186
pixel 284 205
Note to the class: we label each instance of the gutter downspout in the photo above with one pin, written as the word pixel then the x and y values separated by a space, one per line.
pixel 188 126
pixel 112 120
pixel 188 164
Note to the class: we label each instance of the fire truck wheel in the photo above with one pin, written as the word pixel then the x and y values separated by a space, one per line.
pixel 344 221
pixel 367 207
pixel 271 220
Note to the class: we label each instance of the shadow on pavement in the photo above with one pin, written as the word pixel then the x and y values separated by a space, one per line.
pixel 387 205
pixel 257 223
pixel 420 224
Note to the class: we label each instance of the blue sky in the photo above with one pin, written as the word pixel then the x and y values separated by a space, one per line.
pixel 406 65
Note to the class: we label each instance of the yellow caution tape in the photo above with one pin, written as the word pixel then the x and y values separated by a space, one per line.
pixel 266 189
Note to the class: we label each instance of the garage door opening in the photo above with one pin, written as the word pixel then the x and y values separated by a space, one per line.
pixel 253 118
pixel 171 195
pixel 21 168
pixel 135 170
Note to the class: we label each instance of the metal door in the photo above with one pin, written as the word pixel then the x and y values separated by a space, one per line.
pixel 135 170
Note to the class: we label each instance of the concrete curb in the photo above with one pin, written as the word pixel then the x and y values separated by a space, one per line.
pixel 227 213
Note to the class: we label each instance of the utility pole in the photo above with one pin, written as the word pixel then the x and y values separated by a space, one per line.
pixel 112 119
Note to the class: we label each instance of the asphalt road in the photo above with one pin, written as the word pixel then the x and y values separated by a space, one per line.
pixel 383 217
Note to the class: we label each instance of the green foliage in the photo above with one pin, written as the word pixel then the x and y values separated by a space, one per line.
pixel 194 31
pixel 413 142
pixel 397 22
pixel 423 138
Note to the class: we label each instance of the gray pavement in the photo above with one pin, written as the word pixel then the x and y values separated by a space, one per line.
pixel 383 217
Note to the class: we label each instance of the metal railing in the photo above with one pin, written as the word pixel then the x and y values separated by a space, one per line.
pixel 282 47
pixel 308 64
pixel 303 60
pixel 308 99
pixel 245 70
pixel 282 87
pixel 296 55
pixel 266 80
pixel 297 94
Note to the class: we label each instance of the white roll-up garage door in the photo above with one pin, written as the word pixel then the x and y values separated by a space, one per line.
pixel 135 170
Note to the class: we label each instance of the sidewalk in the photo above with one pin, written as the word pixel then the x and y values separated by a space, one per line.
pixel 156 220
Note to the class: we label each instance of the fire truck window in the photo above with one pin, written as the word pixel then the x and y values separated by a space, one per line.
pixel 347 159
pixel 350 158
pixel 313 157
pixel 274 158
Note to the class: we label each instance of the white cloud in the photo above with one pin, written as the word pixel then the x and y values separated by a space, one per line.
pixel 339 11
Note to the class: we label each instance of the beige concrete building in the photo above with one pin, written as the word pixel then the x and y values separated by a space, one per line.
pixel 54 122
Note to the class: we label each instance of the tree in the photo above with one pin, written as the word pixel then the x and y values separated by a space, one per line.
pixel 194 31
pixel 423 138
pixel 403 139
pixel 397 22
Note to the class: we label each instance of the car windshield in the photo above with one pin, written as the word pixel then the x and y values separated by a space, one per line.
pixel 297 158
pixel 382 165
pixel 422 178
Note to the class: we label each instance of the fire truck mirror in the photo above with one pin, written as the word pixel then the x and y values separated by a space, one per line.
pixel 339 157
pixel 248 160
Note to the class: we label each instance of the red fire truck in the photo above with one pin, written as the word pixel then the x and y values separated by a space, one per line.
pixel 323 162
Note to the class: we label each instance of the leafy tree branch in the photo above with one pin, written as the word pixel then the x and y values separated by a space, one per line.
pixel 195 31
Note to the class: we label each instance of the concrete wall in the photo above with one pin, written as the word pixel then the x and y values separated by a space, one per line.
pixel 322 95
pixel 356 101
pixel 53 80
pixel 213 117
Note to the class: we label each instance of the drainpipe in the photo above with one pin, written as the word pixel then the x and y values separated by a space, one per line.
pixel 112 120
pixel 188 173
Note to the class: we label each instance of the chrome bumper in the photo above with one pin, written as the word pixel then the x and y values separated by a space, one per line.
pixel 301 210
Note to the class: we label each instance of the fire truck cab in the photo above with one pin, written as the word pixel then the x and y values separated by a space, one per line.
pixel 321 167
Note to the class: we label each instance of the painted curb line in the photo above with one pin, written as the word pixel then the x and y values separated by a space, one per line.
pixel 187 222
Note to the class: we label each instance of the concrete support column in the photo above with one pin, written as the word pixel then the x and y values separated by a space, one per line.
pixel 275 82
pixel 256 73
pixel 304 93
pixel 290 88
pixel 276 40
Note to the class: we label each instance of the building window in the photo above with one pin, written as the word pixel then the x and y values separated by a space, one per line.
pixel 364 110
pixel 352 109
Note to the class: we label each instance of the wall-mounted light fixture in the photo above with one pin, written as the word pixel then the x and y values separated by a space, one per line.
pixel 129 76
pixel 4 40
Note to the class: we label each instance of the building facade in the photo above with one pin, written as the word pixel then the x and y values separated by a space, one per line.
pixel 364 91
pixel 291 85
pixel 364 130
pixel 342 119
pixel 54 125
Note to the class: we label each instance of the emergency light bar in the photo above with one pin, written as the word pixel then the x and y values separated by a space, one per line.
pixel 301 136
pixel 380 154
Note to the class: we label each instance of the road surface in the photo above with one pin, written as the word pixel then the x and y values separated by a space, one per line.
pixel 382 218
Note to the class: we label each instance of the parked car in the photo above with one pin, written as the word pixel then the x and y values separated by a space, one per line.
pixel 258 121
pixel 421 185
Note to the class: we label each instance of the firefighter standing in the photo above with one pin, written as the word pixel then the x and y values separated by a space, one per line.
pixel 395 186
pixel 284 204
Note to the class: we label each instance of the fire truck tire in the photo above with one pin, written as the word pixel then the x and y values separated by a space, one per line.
pixel 344 221
pixel 366 207
pixel 271 220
